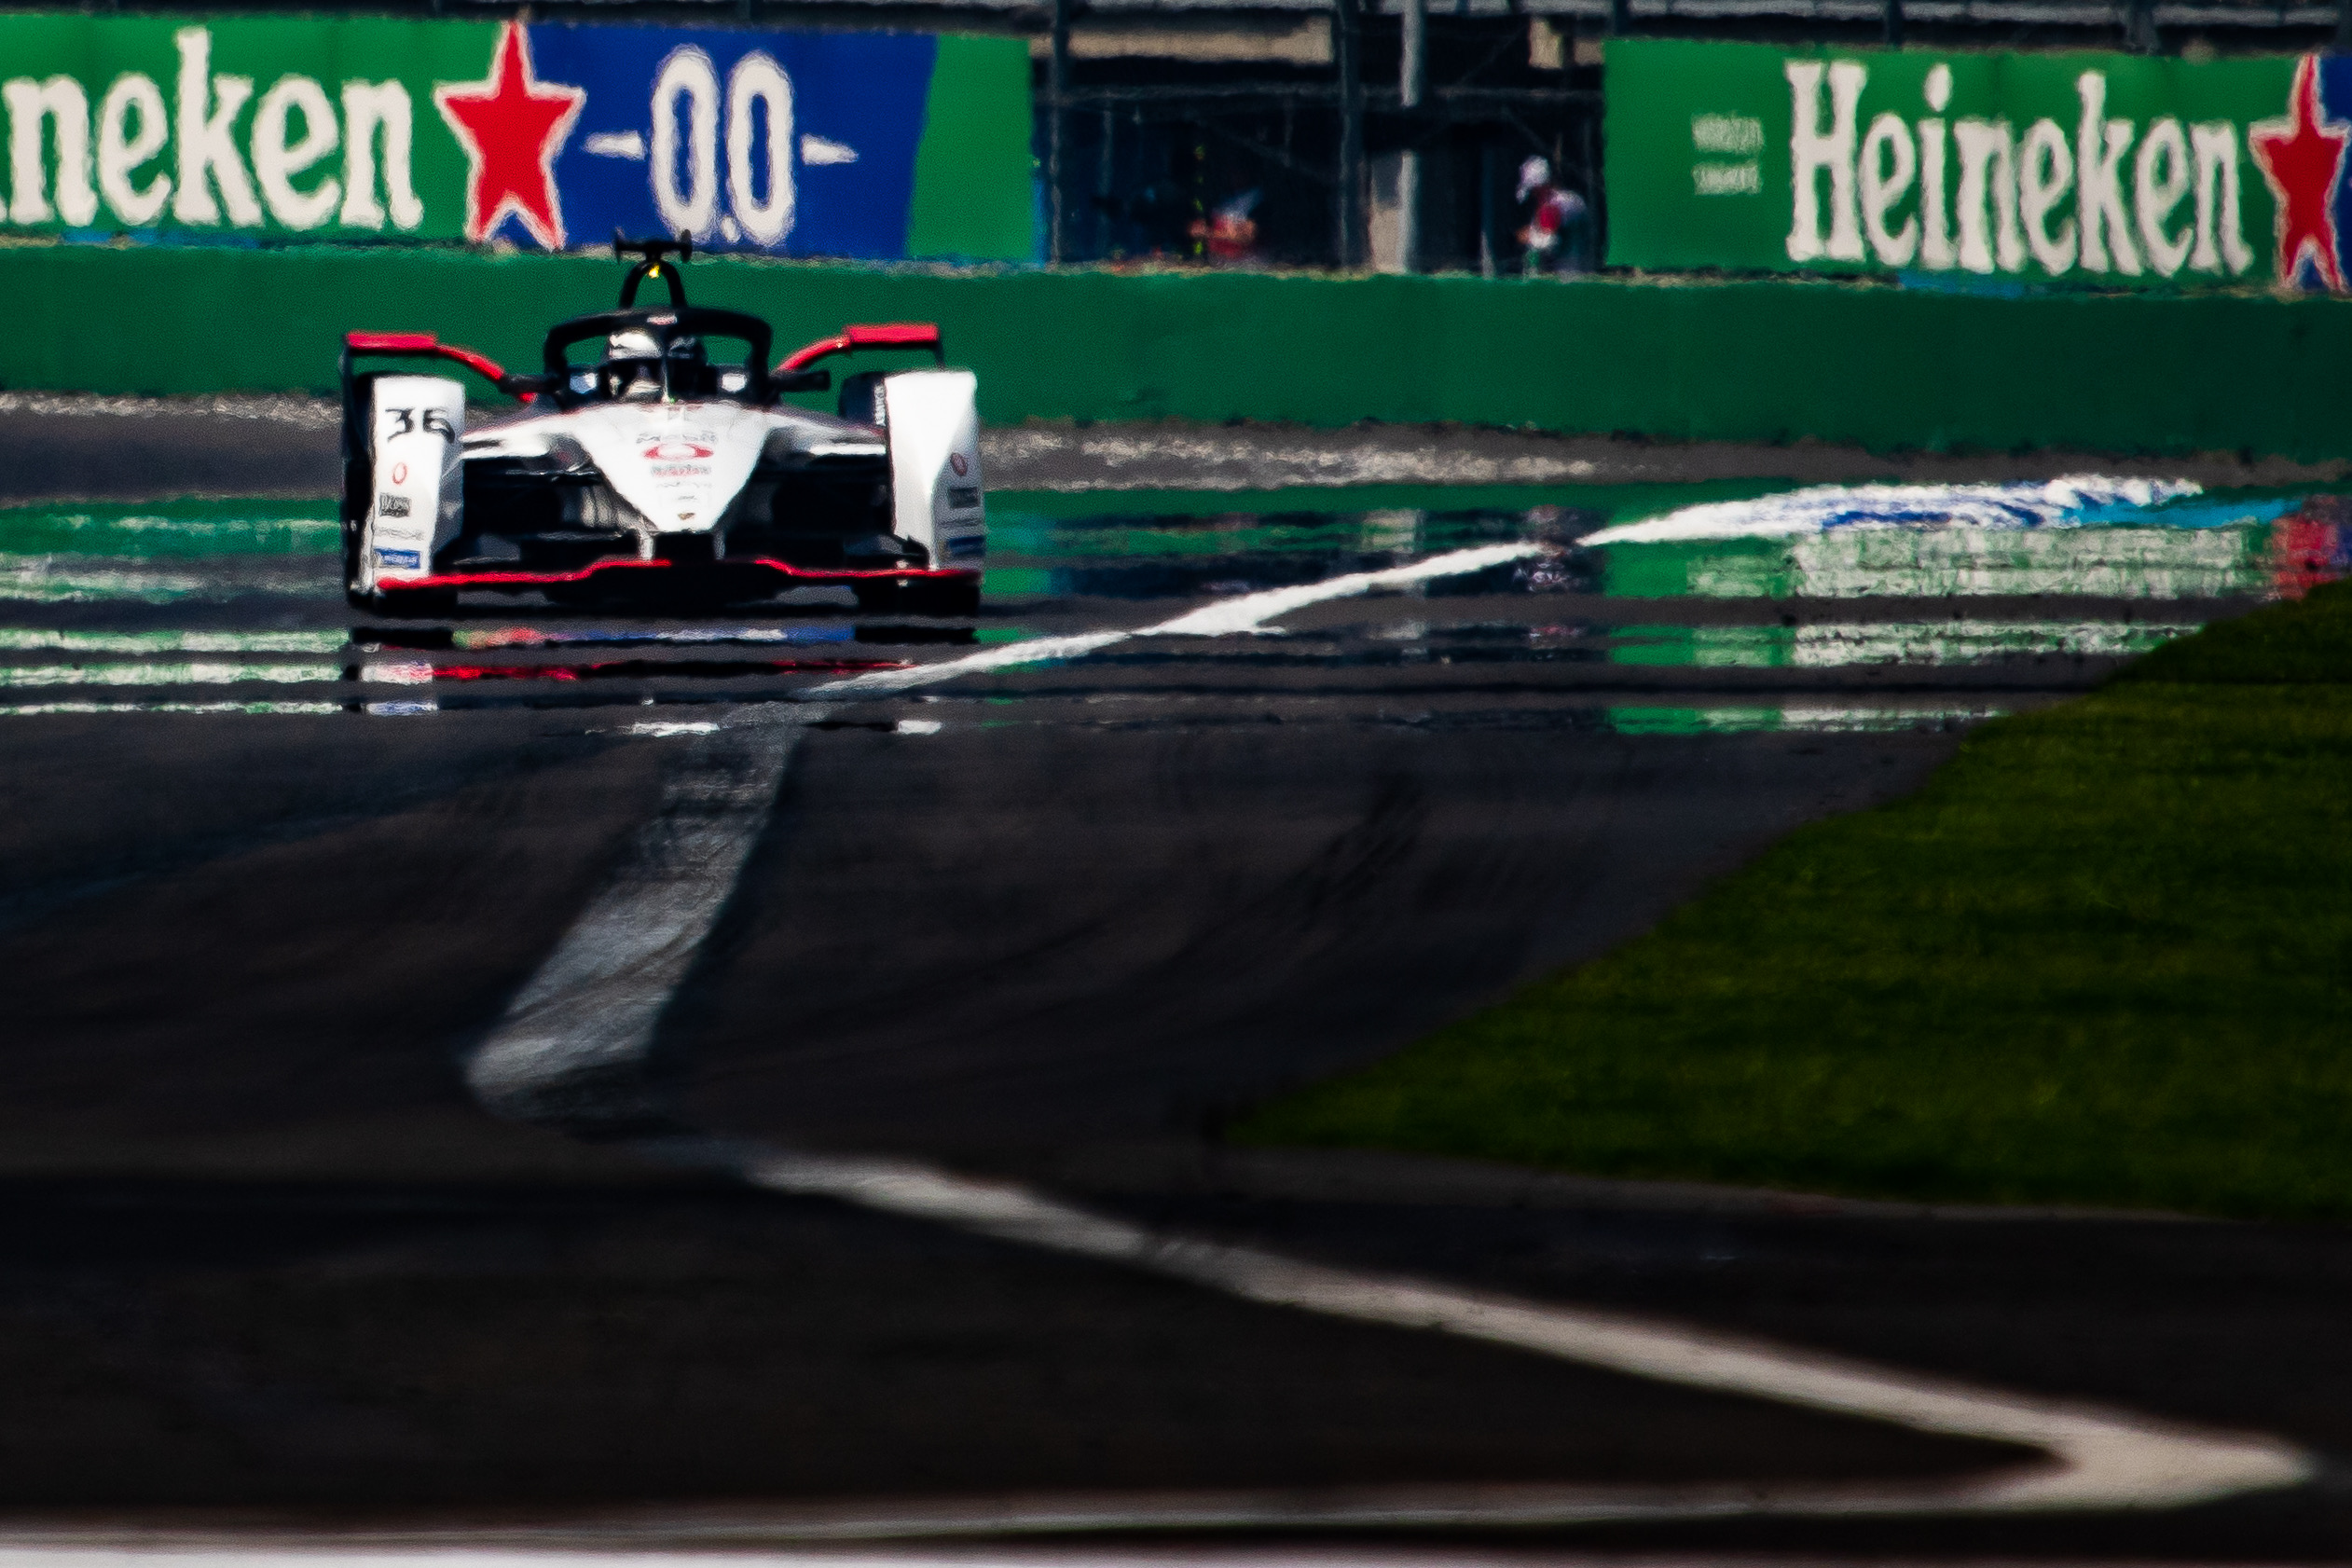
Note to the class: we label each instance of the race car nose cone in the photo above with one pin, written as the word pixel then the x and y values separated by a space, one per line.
pixel 679 466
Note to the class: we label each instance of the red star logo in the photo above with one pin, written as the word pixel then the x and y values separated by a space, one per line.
pixel 2301 157
pixel 511 126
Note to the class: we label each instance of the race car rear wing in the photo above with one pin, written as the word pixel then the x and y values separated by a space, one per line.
pixel 849 340
pixel 405 344
pixel 408 345
pixel 790 374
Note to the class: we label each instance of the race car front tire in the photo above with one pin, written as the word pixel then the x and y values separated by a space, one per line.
pixel 947 598
pixel 403 604
pixel 392 603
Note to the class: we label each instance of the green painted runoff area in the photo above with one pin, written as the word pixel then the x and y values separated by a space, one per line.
pixel 189 527
pixel 1766 360
pixel 2104 957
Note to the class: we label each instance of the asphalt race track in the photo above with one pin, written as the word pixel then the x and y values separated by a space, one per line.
pixel 291 898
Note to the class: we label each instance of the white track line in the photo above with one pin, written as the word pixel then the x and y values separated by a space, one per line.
pixel 1246 612
pixel 2100 1458
pixel 574 1038
pixel 574 1043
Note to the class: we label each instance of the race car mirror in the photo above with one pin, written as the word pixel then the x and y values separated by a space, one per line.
pixel 882 335
pixel 803 381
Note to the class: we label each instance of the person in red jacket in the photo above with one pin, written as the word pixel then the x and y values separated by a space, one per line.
pixel 1558 223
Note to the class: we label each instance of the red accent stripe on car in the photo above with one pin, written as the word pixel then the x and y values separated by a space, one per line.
pixel 530 579
pixel 879 335
pixel 648 669
pixel 426 343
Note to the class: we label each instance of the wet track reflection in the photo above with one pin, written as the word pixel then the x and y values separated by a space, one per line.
pixel 1217 794
pixel 1916 605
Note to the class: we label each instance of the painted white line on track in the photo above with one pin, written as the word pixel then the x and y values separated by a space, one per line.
pixel 2099 1457
pixel 211 673
pixel 1037 650
pixel 1245 612
pixel 574 1037
pixel 43 710
pixel 40 639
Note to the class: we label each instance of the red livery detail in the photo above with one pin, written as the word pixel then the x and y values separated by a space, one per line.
pixel 534 579
pixel 426 343
pixel 885 335
pixel 651 668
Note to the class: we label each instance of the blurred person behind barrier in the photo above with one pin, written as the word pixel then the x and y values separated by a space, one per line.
pixel 1231 233
pixel 1558 223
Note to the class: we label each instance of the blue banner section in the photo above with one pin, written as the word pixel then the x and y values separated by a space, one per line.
pixel 793 143
pixel 2306 156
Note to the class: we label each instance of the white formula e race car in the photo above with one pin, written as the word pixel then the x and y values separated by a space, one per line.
pixel 653 464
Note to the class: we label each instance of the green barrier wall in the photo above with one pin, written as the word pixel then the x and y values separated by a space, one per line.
pixel 1765 360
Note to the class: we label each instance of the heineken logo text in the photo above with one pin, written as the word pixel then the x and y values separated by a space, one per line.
pixel 2103 195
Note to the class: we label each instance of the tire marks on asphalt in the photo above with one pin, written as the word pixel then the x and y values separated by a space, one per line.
pixel 572 1049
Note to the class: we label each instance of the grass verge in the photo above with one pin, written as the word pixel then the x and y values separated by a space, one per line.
pixel 2104 957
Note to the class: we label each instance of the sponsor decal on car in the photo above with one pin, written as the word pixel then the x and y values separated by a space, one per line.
pixel 389 505
pixel 407 559
pixel 963 498
pixel 678 450
pixel 403 422
pixel 961 464
pixel 963 544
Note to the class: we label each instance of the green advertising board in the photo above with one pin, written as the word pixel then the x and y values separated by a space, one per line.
pixel 2107 170
pixel 537 135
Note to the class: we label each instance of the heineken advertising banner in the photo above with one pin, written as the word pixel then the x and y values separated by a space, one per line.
pixel 546 137
pixel 2096 169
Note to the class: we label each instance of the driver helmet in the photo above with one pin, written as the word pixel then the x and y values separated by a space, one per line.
pixel 1535 172
pixel 632 359
pixel 634 343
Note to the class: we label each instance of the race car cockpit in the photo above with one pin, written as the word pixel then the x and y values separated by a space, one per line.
pixel 663 356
